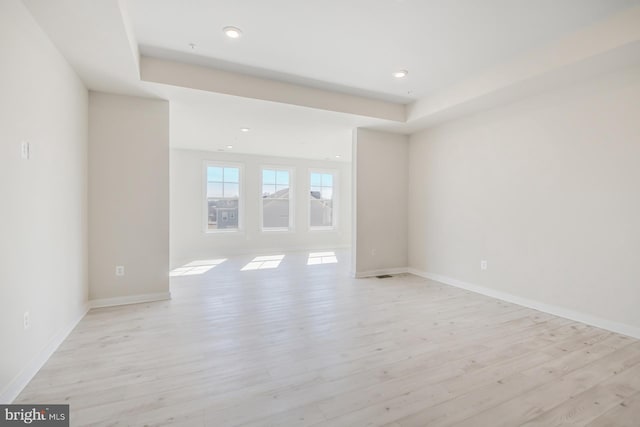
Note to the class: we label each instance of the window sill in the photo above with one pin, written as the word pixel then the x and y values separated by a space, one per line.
pixel 224 231
pixel 278 230
pixel 323 229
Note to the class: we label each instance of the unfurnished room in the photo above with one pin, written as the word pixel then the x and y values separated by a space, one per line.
pixel 320 213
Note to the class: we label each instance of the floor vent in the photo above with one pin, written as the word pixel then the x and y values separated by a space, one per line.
pixel 384 276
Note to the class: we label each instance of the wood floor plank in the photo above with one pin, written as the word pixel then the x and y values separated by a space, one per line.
pixel 525 406
pixel 625 414
pixel 444 406
pixel 479 399
pixel 584 407
pixel 307 345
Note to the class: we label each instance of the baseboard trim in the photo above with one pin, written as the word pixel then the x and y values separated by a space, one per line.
pixel 18 384
pixel 610 325
pixel 130 299
pixel 372 273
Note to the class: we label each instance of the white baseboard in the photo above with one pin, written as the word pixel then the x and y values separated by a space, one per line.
pixel 372 273
pixel 610 325
pixel 131 299
pixel 18 384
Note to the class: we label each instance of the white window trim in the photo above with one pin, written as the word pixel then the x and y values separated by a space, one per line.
pixel 336 198
pixel 292 200
pixel 205 203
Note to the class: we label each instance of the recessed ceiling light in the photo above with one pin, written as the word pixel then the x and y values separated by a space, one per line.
pixel 244 129
pixel 337 156
pixel 229 147
pixel 192 46
pixel 400 74
pixel 232 32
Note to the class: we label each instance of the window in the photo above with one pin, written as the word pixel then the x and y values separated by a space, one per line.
pixel 321 200
pixel 223 197
pixel 277 198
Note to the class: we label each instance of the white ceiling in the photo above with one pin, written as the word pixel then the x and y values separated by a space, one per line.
pixel 209 121
pixel 349 46
pixel 355 45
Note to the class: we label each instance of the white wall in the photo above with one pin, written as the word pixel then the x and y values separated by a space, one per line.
pixel 547 191
pixel 189 242
pixel 381 182
pixel 129 198
pixel 43 219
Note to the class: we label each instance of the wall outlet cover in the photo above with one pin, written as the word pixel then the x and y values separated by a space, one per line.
pixel 26 320
pixel 25 150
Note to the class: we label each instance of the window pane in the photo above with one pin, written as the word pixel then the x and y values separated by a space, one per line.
pixel 214 174
pixel 321 214
pixel 231 175
pixel 315 192
pixel 223 193
pixel 316 179
pixel 268 176
pixel 212 217
pixel 227 203
pixel 268 190
pixel 231 190
pixel 214 189
pixel 282 191
pixel 282 178
pixel 327 193
pixel 275 213
pixel 327 180
pixel 223 214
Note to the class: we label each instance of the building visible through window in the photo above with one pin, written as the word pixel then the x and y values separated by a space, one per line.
pixel 276 199
pixel 223 197
pixel 321 205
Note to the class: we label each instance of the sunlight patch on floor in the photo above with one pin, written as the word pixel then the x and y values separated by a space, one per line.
pixel 263 262
pixel 196 267
pixel 317 258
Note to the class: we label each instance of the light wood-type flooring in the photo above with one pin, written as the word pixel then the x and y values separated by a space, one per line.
pixel 291 344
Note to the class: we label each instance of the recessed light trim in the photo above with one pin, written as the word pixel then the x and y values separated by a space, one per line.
pixel 400 74
pixel 244 129
pixel 338 156
pixel 232 32
pixel 229 147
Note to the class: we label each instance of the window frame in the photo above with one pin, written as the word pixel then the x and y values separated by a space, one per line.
pixel 205 200
pixel 335 198
pixel 292 198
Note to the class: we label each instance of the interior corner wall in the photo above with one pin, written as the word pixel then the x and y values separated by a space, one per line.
pixel 43 219
pixel 381 185
pixel 128 198
pixel 546 191
pixel 189 242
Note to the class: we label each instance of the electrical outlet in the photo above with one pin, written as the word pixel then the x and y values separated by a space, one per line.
pixel 26 320
pixel 119 270
pixel 483 264
pixel 25 150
